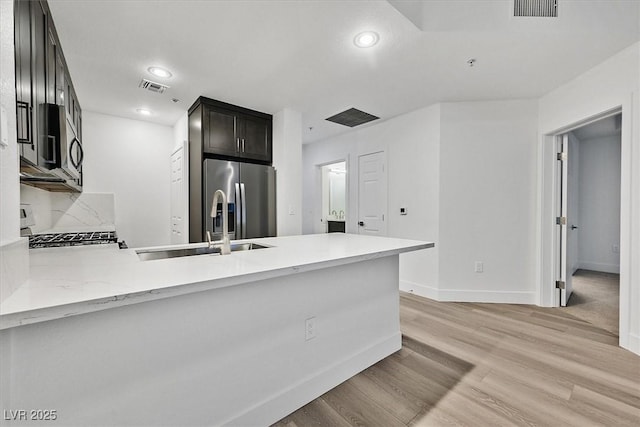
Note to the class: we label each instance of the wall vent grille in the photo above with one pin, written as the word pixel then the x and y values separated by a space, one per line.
pixel 352 117
pixel 153 86
pixel 536 8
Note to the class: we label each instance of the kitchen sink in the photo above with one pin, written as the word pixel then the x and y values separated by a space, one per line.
pixel 152 254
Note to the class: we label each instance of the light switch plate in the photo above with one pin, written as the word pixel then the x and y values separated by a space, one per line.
pixel 479 267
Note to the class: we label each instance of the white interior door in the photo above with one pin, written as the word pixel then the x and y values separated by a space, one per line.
pixel 565 220
pixel 178 198
pixel 372 194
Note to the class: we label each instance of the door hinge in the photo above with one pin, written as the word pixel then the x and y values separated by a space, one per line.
pixel 560 284
pixel 562 157
pixel 561 220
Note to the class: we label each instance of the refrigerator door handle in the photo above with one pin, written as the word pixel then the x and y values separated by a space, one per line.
pixel 238 208
pixel 244 211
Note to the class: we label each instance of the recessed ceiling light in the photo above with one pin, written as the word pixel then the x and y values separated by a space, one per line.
pixel 366 39
pixel 160 72
pixel 143 111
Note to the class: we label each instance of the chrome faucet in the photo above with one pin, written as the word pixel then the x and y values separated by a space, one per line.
pixel 226 246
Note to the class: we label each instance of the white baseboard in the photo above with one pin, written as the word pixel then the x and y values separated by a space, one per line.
pixel 463 295
pixel 505 297
pixel 632 344
pixel 419 289
pixel 599 266
pixel 287 401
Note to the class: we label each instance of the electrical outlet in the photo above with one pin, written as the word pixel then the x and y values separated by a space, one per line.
pixel 615 248
pixel 310 328
pixel 479 267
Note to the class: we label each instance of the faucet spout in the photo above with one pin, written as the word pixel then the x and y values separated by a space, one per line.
pixel 226 245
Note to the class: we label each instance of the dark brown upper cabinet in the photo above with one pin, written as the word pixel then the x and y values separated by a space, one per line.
pixel 233 132
pixel 42 77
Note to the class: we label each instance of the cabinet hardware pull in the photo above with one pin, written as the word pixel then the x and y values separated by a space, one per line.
pixel 23 113
pixel 50 154
pixel 237 144
pixel 243 145
pixel 76 164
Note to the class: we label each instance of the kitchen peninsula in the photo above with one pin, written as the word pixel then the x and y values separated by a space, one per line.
pixel 104 338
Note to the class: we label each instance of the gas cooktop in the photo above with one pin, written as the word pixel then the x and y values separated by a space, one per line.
pixel 72 239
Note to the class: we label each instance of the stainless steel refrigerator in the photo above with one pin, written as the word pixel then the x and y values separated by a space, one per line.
pixel 251 194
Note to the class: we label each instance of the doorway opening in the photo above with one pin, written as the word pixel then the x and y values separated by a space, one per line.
pixel 334 197
pixel 589 211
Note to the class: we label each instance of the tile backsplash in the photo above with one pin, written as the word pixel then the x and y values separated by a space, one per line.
pixel 69 211
pixel 95 211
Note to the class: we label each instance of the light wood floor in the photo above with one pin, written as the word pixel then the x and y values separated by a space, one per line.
pixel 488 365
pixel 596 299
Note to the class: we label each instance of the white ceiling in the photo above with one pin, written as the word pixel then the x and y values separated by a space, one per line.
pixel 269 55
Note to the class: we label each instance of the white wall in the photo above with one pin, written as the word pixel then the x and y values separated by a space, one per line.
pixel 9 187
pixel 287 160
pixel 599 204
pixel 613 84
pixel 340 148
pixel 14 251
pixel 466 173
pixel 411 144
pixel 488 201
pixel 131 159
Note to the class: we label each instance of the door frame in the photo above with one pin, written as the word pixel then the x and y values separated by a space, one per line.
pixel 548 254
pixel 319 192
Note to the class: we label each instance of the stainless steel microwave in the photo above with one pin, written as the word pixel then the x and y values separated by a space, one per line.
pixel 62 150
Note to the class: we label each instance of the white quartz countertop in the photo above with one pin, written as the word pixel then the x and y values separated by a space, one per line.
pixel 68 281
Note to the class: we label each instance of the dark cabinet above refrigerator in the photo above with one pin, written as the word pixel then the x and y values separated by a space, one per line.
pixel 232 132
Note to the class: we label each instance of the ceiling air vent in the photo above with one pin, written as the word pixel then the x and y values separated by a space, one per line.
pixel 352 117
pixel 152 86
pixel 536 8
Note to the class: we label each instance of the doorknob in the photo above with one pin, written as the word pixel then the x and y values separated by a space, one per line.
pixel 573 227
pixel 361 223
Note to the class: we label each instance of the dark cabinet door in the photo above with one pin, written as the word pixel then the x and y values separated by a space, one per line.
pixel 45 146
pixel 254 138
pixel 51 65
pixel 24 69
pixel 60 78
pixel 220 132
